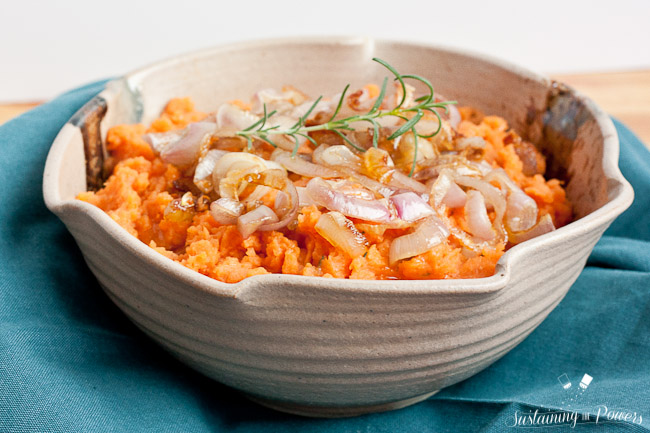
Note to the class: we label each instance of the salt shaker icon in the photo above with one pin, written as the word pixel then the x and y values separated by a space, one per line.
pixel 564 381
pixel 586 380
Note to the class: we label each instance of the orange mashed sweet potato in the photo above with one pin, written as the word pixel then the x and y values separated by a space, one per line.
pixel 142 187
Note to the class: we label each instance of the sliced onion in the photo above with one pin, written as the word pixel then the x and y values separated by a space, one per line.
pixel 491 195
pixel 276 179
pixel 402 181
pixel 377 164
pixel 273 100
pixel 300 166
pixel 362 136
pixel 455 196
pixel 389 121
pixel 368 210
pixel 521 210
pixel 282 203
pixel 232 118
pixel 545 225
pixel 411 207
pixel 185 150
pixel 258 194
pixel 501 177
pixel 478 222
pixel 205 167
pixel 351 188
pixel 434 171
pixel 355 103
pixel 283 141
pixel 470 142
pixel 248 223
pixel 456 164
pixel 378 187
pixel 226 211
pixel 281 102
pixel 427 235
pixel 454 116
pixel 440 188
pixel 241 161
pixel 466 240
pixel 425 150
pixel 427 125
pixel 291 209
pixel 341 233
pixel 336 156
pixel 360 100
pixel 160 140
pixel 394 96
pixel 406 151
pixel 482 166
pixel 304 199
pixel 322 107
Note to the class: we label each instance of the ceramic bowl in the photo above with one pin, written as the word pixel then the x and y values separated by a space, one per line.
pixel 328 347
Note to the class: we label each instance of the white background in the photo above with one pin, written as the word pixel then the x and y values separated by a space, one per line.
pixel 47 47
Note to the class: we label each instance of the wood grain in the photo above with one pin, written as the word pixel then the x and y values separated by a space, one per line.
pixel 9 111
pixel 625 95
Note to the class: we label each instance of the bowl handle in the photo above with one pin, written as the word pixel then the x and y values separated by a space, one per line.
pixel 88 119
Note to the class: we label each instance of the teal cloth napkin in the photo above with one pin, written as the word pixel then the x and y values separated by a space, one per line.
pixel 71 362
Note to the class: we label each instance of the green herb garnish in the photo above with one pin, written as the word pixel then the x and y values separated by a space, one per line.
pixel 410 115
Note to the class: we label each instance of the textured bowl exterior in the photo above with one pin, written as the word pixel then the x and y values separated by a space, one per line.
pixel 329 347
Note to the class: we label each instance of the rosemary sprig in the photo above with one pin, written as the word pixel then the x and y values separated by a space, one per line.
pixel 410 115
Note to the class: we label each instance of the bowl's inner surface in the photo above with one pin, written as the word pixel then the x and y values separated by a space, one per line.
pixel 548 114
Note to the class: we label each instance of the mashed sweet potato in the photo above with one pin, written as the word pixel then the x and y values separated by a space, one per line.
pixel 142 186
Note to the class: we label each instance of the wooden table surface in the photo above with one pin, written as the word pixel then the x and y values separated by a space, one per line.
pixel 625 95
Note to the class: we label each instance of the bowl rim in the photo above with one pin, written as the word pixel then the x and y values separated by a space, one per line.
pixel 620 196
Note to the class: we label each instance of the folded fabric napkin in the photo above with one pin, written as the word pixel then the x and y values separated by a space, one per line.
pixel 71 362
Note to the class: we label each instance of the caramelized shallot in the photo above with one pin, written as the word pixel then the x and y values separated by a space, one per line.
pixel 304 199
pixel 232 118
pixel 492 196
pixel 299 166
pixel 369 210
pixel 377 187
pixel 478 222
pixel 185 150
pixel 341 233
pixel 251 221
pixel 545 225
pixel 225 211
pixel 205 167
pixel 427 235
pixel 402 181
pixel 288 211
pixel 159 140
pixel 455 196
pixel 336 156
pixel 454 116
pixel 274 100
pixel 238 163
pixel 521 210
pixel 411 207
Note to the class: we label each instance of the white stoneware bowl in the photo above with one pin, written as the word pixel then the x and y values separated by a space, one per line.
pixel 328 347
